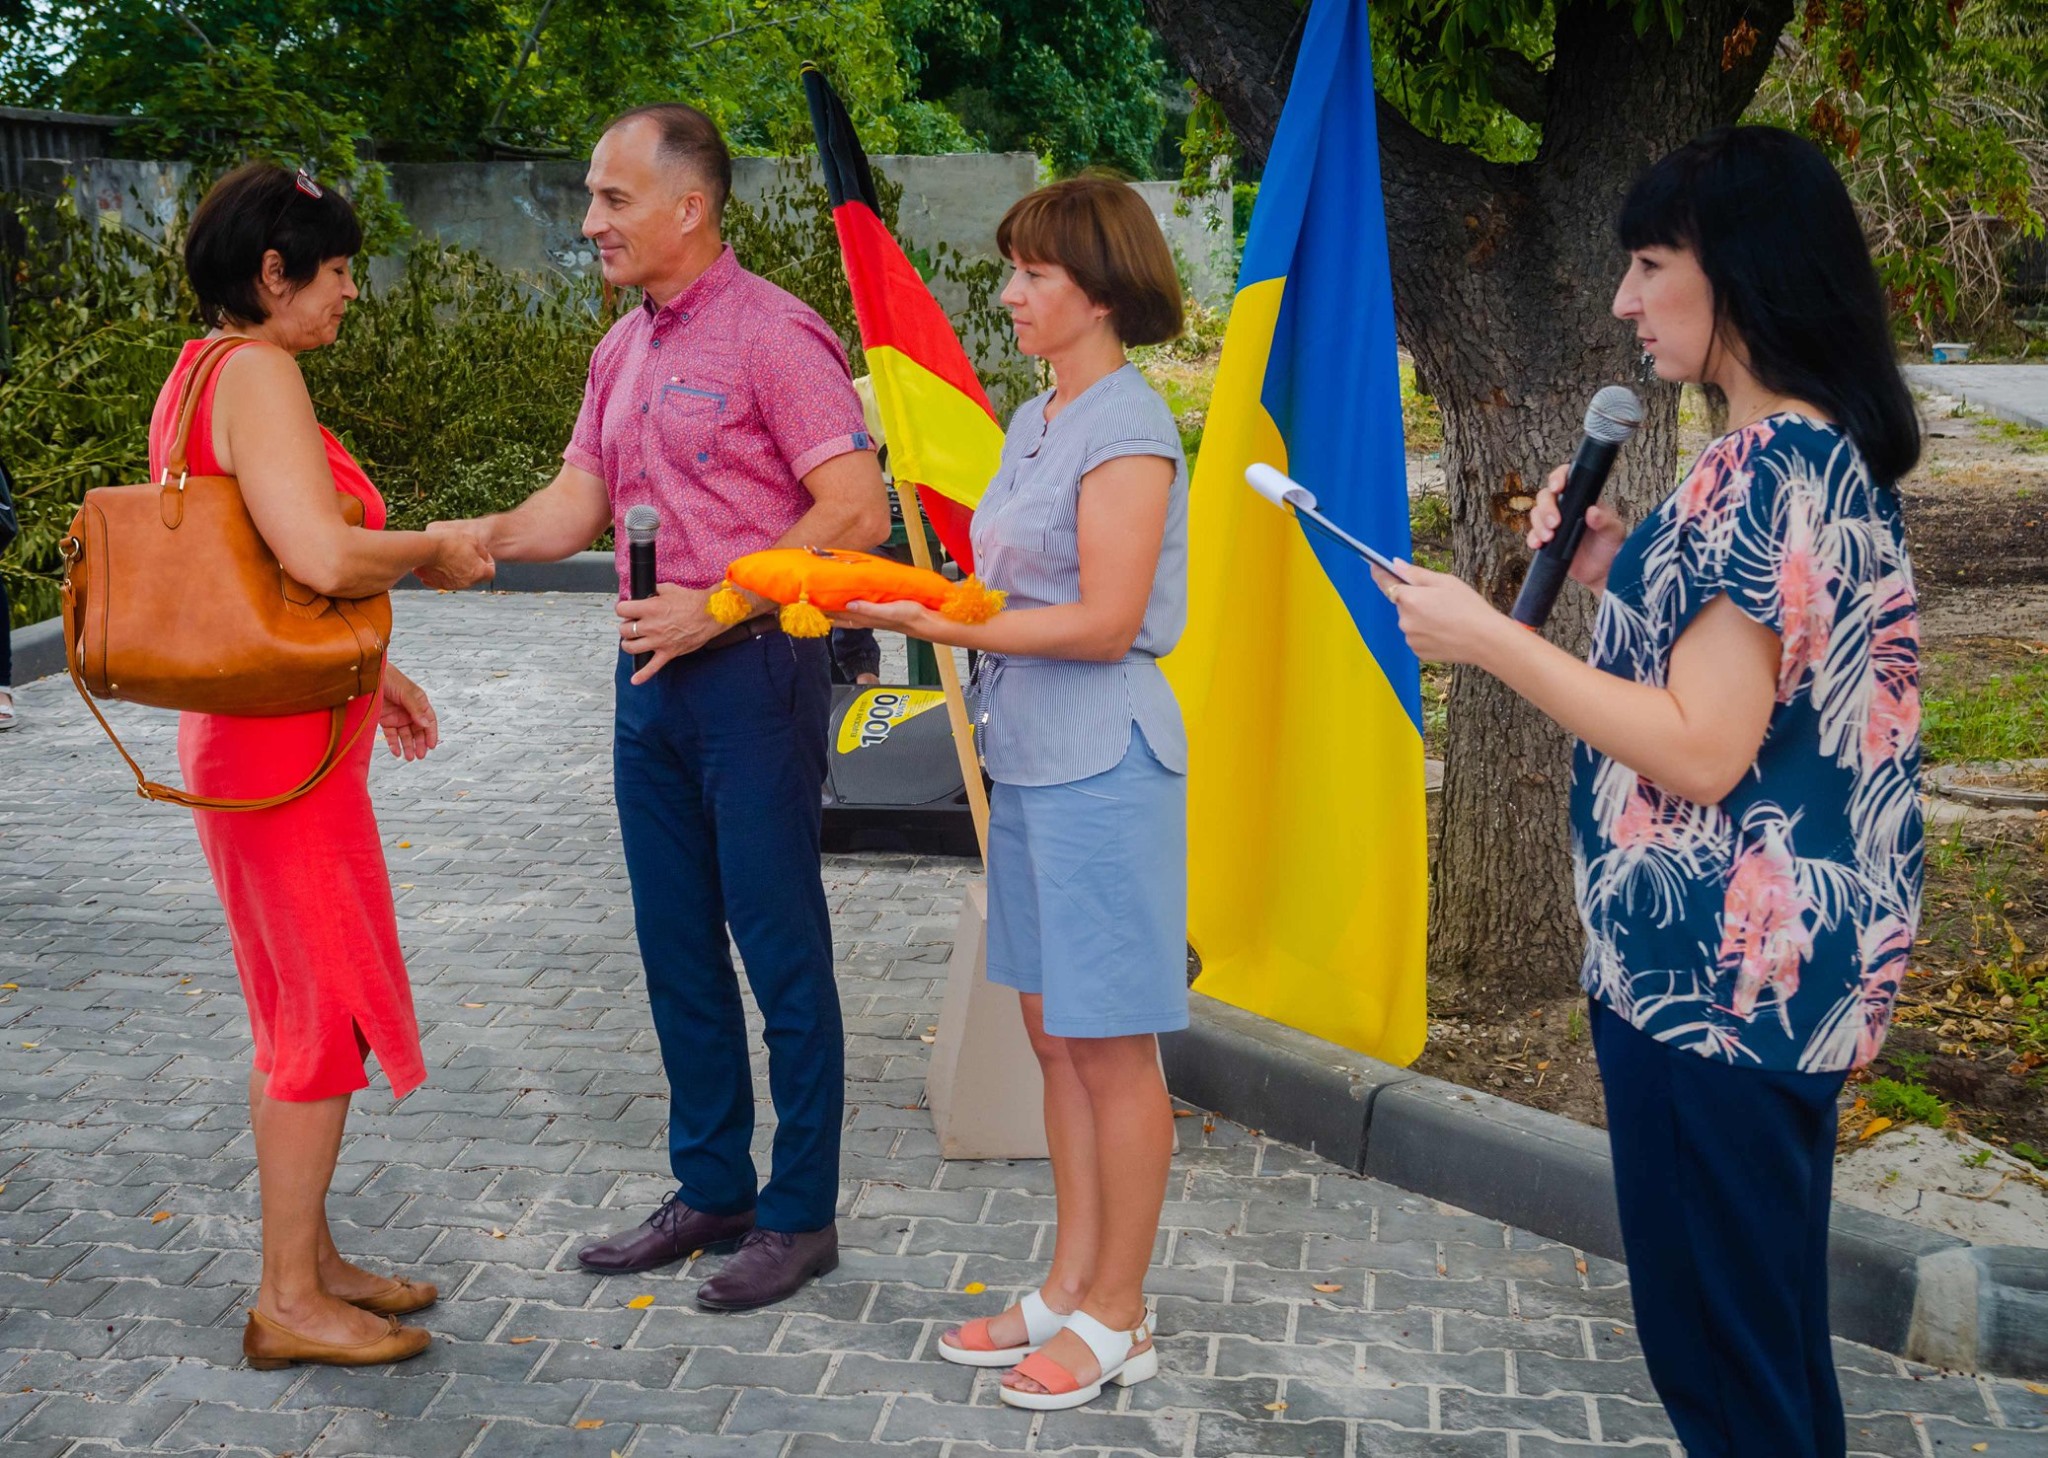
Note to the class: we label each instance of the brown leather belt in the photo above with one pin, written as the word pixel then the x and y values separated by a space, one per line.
pixel 747 632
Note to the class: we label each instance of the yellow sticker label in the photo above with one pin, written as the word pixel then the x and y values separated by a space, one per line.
pixel 873 714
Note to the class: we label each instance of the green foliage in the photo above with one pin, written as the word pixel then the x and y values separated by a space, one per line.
pixel 1938 121
pixel 1438 60
pixel 1079 83
pixel 2005 716
pixel 1422 423
pixel 99 316
pixel 457 386
pixel 1905 1103
pixel 2031 1155
pixel 435 79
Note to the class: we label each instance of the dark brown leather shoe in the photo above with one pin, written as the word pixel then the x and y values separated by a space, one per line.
pixel 666 1236
pixel 771 1266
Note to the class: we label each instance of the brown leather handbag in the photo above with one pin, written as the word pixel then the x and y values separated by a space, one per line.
pixel 173 599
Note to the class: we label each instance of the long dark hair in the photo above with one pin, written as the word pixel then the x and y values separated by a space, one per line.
pixel 1773 229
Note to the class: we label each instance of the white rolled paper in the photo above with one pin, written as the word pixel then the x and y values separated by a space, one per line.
pixel 1281 490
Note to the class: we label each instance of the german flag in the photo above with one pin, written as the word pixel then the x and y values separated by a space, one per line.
pixel 942 433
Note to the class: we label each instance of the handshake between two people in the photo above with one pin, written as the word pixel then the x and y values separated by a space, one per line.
pixel 666 626
pixel 464 559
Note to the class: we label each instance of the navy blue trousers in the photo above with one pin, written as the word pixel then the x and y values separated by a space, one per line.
pixel 1724 1177
pixel 719 763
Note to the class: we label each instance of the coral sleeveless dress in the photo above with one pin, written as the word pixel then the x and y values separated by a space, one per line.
pixel 304 885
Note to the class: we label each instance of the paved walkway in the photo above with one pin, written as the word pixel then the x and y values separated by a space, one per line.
pixel 128 1203
pixel 2018 393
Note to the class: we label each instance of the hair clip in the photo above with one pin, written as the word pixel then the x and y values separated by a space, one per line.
pixel 305 183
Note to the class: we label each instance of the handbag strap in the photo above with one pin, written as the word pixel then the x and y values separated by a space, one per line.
pixel 212 355
pixel 149 789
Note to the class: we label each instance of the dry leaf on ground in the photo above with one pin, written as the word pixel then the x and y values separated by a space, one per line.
pixel 1328 1286
pixel 641 1303
pixel 974 1288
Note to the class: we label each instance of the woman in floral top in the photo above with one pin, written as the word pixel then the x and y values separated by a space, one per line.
pixel 1746 835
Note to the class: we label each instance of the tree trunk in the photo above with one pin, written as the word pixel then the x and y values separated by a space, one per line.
pixel 1503 276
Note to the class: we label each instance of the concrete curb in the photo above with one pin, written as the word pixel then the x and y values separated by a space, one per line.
pixel 1983 1309
pixel 1893 1286
pixel 39 647
pixel 582 572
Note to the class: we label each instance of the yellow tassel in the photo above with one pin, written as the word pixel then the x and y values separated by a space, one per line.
pixel 729 607
pixel 972 601
pixel 801 620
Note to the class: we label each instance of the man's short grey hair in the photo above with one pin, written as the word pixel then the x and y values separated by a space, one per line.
pixel 688 138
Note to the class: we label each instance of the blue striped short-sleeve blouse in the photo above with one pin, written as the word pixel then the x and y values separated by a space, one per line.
pixel 1047 721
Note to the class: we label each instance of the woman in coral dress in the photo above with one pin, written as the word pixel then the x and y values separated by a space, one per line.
pixel 303 885
pixel 1746 832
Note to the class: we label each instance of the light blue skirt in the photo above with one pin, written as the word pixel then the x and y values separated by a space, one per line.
pixel 1088 897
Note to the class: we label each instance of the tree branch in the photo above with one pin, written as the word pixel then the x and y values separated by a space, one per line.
pixel 1520 88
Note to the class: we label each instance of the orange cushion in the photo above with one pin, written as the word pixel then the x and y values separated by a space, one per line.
pixel 829 580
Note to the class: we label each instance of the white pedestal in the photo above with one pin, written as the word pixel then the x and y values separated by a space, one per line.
pixel 986 1096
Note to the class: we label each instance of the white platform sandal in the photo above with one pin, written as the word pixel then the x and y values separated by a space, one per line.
pixel 1114 1353
pixel 977 1349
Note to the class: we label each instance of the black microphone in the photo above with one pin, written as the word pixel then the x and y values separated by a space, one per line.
pixel 642 524
pixel 1610 420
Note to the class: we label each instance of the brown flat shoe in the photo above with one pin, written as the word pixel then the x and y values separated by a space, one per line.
pixel 268 1346
pixel 399 1297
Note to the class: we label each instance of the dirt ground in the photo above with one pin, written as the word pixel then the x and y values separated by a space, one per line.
pixel 1977 515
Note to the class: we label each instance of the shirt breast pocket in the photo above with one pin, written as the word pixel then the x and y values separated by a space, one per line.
pixel 689 419
pixel 1021 522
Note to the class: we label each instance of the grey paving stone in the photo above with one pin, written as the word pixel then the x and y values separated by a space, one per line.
pixel 1406 1407
pixel 947 1382
pixel 571 1360
pixel 1953 1438
pixel 209 1426
pixel 1537 1446
pixel 360 1434
pixel 1537 1373
pixel 544 1116
pixel 136 1423
pixel 761 1410
pixel 880 1339
pixel 699 1410
pixel 995 1426
pixel 510 1439
pixel 1219 1436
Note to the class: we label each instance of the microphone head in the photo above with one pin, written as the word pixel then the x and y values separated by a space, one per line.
pixel 1279 489
pixel 1614 415
pixel 642 522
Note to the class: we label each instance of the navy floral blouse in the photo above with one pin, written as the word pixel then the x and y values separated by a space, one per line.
pixel 1771 930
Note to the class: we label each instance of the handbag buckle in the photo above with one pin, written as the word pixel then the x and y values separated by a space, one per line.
pixel 71 549
pixel 165 482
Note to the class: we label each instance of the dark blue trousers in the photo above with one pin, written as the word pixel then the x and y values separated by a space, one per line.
pixel 1724 1177
pixel 719 763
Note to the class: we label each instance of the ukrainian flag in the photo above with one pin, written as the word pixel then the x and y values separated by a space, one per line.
pixel 1307 882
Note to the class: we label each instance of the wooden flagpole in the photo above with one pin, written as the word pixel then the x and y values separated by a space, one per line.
pixel 949 678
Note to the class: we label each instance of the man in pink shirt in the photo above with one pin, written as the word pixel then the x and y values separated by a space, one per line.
pixel 725 404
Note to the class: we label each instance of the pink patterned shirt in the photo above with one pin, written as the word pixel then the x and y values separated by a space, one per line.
pixel 712 409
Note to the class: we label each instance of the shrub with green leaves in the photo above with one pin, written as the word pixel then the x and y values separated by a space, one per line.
pixel 1905 1103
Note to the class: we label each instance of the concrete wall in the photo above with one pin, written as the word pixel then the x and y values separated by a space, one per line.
pixel 527 216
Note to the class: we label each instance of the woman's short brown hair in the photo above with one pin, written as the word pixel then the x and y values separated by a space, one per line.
pixel 257 207
pixel 1099 230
